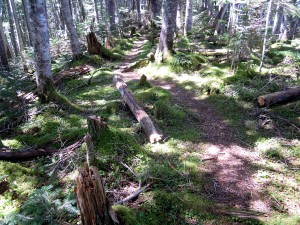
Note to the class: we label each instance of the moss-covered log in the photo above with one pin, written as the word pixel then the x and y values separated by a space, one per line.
pixel 280 97
pixel 152 133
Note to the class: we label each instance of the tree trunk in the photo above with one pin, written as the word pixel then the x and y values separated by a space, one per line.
pixel 12 30
pixel 281 97
pixel 138 10
pixel 152 133
pixel 82 11
pixel 38 16
pixel 155 8
pixel 166 39
pixel 188 17
pixel 111 7
pixel 278 19
pixel 75 45
pixel 219 17
pixel 28 24
pixel 3 53
pixel 179 18
pixel 97 16
pixel 266 35
pixel 95 47
pixel 92 201
pixel 17 24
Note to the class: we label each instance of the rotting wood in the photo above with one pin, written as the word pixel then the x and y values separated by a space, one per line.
pixel 95 47
pixel 8 154
pixel 91 197
pixel 152 133
pixel 280 97
pixel 90 153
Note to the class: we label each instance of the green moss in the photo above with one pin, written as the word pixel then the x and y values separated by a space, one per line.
pixel 126 214
pixel 163 110
pixel 182 62
pixel 152 94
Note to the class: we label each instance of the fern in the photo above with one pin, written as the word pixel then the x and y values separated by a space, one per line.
pixel 44 206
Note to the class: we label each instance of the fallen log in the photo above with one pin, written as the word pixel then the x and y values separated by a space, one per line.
pixel 207 52
pixel 280 97
pixel 152 133
pixel 7 154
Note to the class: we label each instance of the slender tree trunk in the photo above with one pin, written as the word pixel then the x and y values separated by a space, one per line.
pixel 188 17
pixel 266 35
pixel 166 39
pixel 217 23
pixel 66 13
pixel 17 24
pixel 138 10
pixel 3 53
pixel 28 24
pixel 179 18
pixel 38 17
pixel 82 10
pixel 96 11
pixel 278 19
pixel 12 30
pixel 111 8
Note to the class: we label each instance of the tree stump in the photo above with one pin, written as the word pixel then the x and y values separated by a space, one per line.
pixel 96 126
pixel 92 202
pixel 94 47
pixel 90 153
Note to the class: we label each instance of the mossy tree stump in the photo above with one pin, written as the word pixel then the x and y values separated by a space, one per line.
pixel 96 126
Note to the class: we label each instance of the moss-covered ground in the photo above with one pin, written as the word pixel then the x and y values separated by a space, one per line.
pixel 41 191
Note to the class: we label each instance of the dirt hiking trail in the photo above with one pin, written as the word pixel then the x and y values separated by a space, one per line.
pixel 228 164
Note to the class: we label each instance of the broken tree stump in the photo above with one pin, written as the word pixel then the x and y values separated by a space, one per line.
pixel 95 47
pixel 152 133
pixel 96 126
pixel 280 97
pixel 90 153
pixel 92 201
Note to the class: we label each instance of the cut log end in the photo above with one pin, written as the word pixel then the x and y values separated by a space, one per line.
pixel 154 138
pixel 261 101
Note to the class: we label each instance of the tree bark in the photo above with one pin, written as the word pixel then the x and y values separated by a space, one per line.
pixel 38 16
pixel 28 24
pixel 188 17
pixel 166 39
pixel 17 24
pixel 12 30
pixel 179 18
pixel 152 133
pixel 66 13
pixel 278 19
pixel 96 126
pixel 266 35
pixel 280 97
pixel 138 10
pixel 155 8
pixel 91 198
pixel 95 47
pixel 111 8
pixel 3 53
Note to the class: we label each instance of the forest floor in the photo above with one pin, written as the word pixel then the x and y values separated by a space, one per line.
pixel 222 160
pixel 228 161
